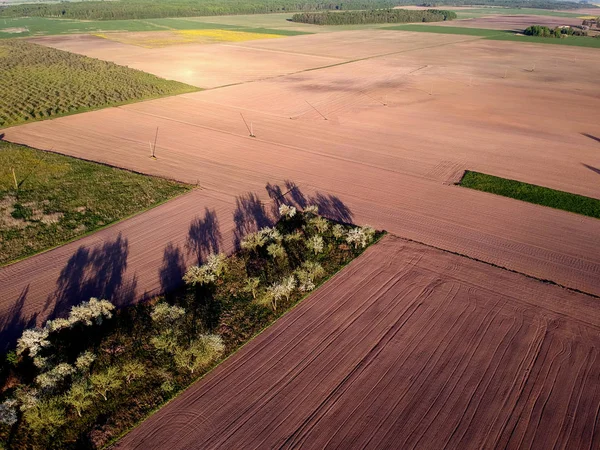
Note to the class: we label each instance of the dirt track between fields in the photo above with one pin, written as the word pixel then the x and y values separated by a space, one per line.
pixel 470 105
pixel 408 347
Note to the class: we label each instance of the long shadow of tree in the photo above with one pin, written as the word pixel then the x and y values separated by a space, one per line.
pixel 204 235
pixel 93 272
pixel 172 269
pixel 14 322
pixel 250 215
pixel 330 206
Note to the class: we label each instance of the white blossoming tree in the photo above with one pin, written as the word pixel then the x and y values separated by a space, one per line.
pixel 316 244
pixel 215 266
pixel 201 352
pixel 287 211
pixel 278 292
pixel 308 274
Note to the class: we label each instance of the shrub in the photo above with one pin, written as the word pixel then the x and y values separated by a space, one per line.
pixel 79 397
pixel 201 352
pixel 106 381
pixel 316 244
pixel 215 266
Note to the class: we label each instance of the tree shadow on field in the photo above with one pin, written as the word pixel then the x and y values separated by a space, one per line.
pixel 250 215
pixel 593 169
pixel 93 272
pixel 13 322
pixel 592 137
pixel 172 269
pixel 330 206
pixel 204 236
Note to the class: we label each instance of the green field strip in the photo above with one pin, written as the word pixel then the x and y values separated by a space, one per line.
pixel 500 35
pixel 532 193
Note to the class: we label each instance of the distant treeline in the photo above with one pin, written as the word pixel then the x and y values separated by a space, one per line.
pixel 537 4
pixel 558 32
pixel 374 16
pixel 147 9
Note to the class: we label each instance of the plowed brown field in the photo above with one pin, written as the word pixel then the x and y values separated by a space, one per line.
pixel 451 105
pixel 408 347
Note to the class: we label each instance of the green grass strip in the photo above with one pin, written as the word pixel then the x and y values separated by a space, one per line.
pixel 500 35
pixel 531 193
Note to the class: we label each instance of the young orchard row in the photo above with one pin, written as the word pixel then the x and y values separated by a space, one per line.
pixel 38 82
pixel 82 380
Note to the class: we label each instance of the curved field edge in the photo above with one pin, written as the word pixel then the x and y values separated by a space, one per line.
pixel 60 199
pixel 40 82
pixel 288 311
pixel 532 193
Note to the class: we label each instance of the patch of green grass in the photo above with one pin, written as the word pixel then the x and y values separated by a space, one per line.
pixel 39 82
pixel 272 31
pixel 60 198
pixel 38 26
pixel 533 194
pixel 480 12
pixel 500 35
pixel 483 32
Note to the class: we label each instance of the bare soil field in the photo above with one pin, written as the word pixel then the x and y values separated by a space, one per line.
pixel 450 106
pixel 513 22
pixel 408 347
pixel 199 65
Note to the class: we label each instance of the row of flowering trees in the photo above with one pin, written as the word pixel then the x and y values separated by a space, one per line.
pixel 96 362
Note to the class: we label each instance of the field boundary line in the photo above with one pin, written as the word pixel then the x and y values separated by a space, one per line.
pixel 366 58
pixel 472 258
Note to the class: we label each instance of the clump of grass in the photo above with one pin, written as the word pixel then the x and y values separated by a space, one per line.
pixel 39 82
pixel 59 198
pixel 533 194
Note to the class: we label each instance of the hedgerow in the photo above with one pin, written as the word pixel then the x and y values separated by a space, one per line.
pixel 82 380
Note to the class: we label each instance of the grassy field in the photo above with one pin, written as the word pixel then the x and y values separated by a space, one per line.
pixel 39 82
pixel 40 26
pixel 501 35
pixel 533 194
pixel 60 198
pixel 480 12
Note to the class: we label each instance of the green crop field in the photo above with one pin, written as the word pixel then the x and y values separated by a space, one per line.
pixel 501 35
pixel 480 12
pixel 38 82
pixel 58 198
pixel 533 194
pixel 38 26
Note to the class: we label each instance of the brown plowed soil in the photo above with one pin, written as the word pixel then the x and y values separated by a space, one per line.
pixel 408 347
pixel 388 166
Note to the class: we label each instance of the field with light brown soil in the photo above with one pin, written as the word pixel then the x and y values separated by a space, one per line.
pixel 405 117
pixel 515 23
pixel 199 64
pixel 407 347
